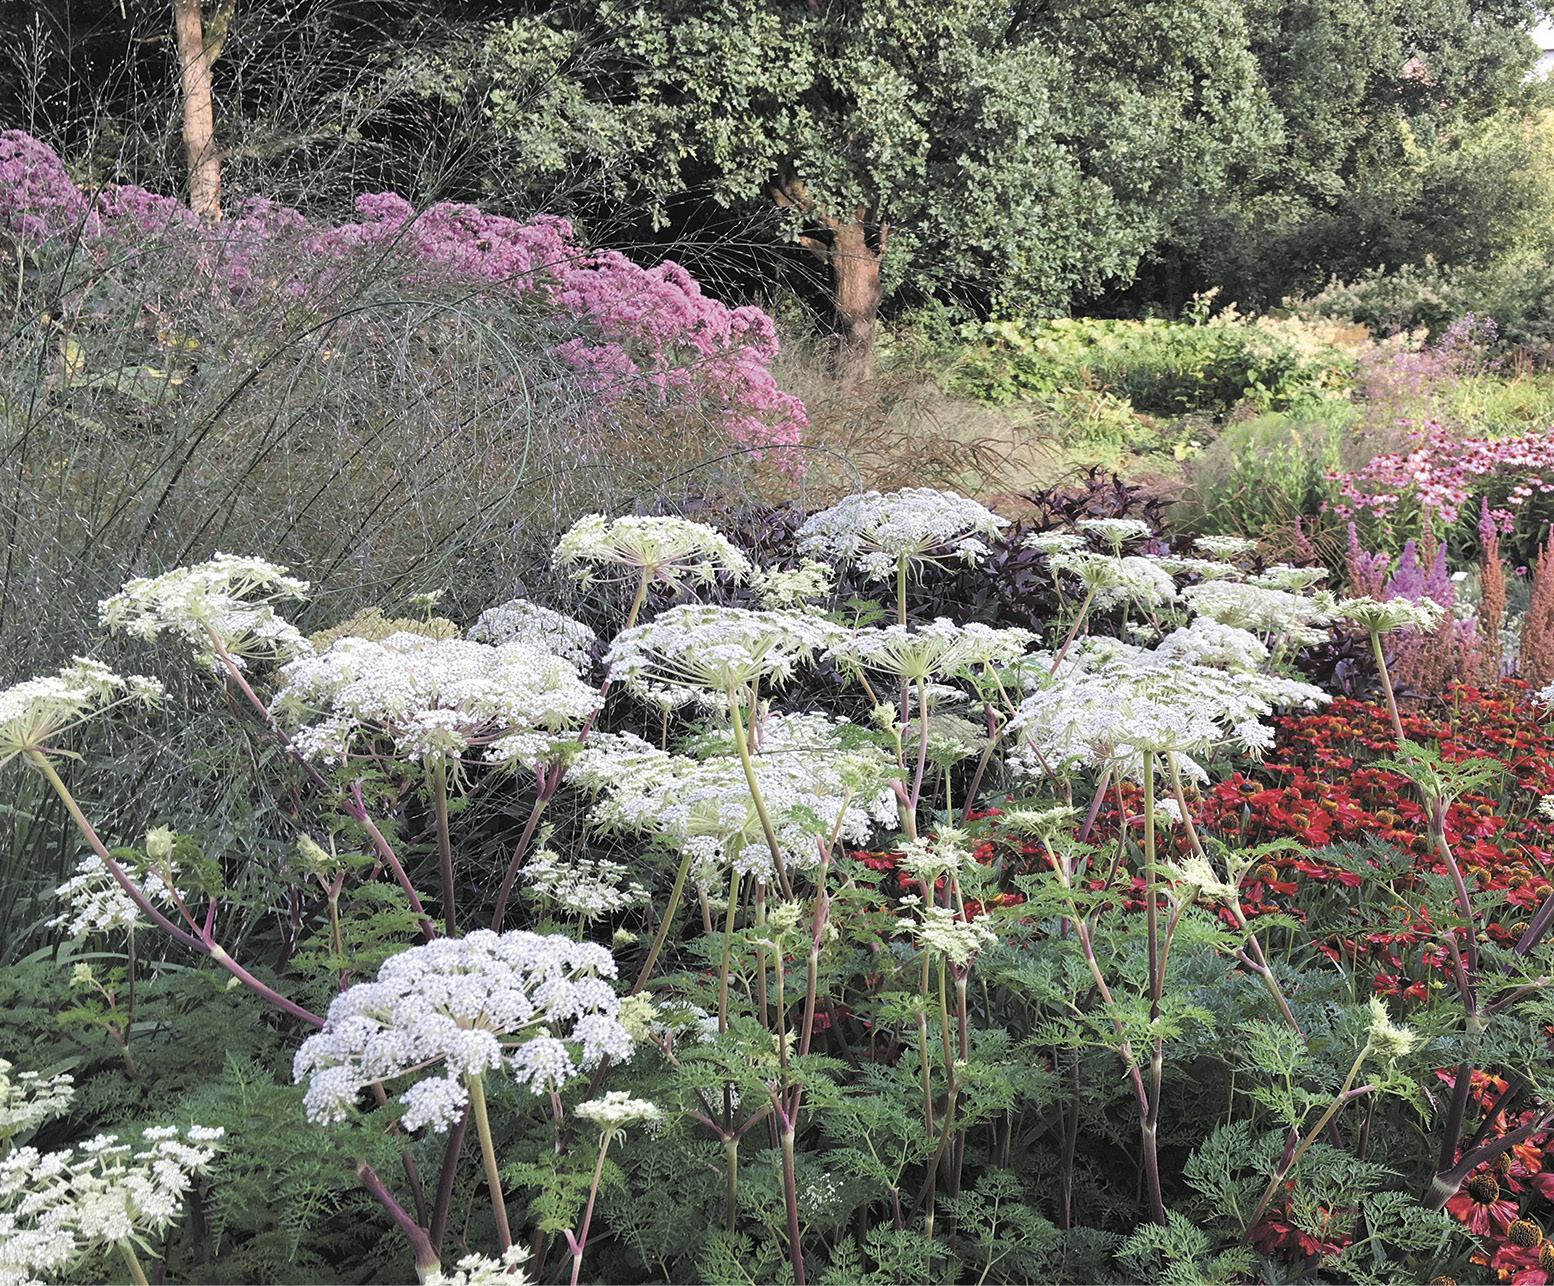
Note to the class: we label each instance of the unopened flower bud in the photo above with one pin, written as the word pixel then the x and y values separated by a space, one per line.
pixel 159 843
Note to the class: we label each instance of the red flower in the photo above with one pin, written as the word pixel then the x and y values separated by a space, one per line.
pixel 1480 1206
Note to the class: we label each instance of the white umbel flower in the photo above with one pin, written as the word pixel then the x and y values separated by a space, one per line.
pixel 434 699
pixel 98 903
pixel 1225 546
pixel 477 1270
pixel 1116 532
pixel 471 1004
pixel 1134 579
pixel 1301 620
pixel 27 1100
pixel 34 713
pixel 1394 614
pixel 930 651
pixel 226 602
pixel 1113 703
pixel 878 531
pixel 956 940
pixel 814 784
pixel 714 649
pixel 663 550
pixel 527 622
pixel 617 1110
pixel 55 1207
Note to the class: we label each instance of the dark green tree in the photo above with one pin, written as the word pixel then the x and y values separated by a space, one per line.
pixel 1402 137
pixel 1037 147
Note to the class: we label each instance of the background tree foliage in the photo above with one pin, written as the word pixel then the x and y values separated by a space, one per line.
pixel 1025 157
pixel 1029 152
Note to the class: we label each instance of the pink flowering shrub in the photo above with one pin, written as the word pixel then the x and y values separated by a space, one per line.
pixel 626 331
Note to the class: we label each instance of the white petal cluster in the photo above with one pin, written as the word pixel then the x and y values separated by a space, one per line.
pixel 812 782
pixel 1294 579
pixel 878 531
pixel 33 712
pixel 1300 620
pixel 458 1002
pixel 956 940
pixel 1394 614
pixel 527 622
pixel 433 698
pixel 1110 702
pixel 1116 532
pixel 1200 877
pixel 714 649
pixel 226 602
pixel 927 859
pixel 98 903
pixel 666 550
pixel 1053 542
pixel 583 888
pixel 56 1206
pixel 1225 546
pixel 1207 642
pixel 1137 578
pixel 27 1100
pixel 617 1110
pixel 477 1270
pixel 803 584
pixel 930 651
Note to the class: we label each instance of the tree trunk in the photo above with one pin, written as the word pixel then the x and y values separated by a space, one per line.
pixel 855 270
pixel 196 53
pixel 852 248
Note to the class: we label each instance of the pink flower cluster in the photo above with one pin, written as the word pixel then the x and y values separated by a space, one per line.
pixel 1442 472
pixel 628 331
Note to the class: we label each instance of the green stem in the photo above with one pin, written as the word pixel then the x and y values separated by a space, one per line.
pixel 901 584
pixel 444 846
pixel 477 1103
pixel 663 927
pixel 1386 686
pixel 755 794
pixel 728 940
pixel 1339 1100
pixel 132 1262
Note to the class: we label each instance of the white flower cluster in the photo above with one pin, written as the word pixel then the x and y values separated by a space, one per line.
pixel 1116 532
pixel 1112 702
pixel 1206 642
pixel 1136 578
pixel 477 1270
pixel 662 549
pixel 930 651
pixel 1198 876
pixel 812 785
pixel 878 531
pixel 617 1110
pixel 956 940
pixel 434 698
pixel 1225 546
pixel 98 903
pixel 695 649
pixel 226 601
pixel 584 888
pixel 33 712
pixel 56 1206
pixel 451 1002
pixel 805 583
pixel 527 622
pixel 1299 619
pixel 1394 614
pixel 29 1100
